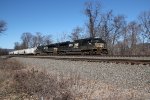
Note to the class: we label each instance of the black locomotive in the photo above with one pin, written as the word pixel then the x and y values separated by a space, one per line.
pixel 82 46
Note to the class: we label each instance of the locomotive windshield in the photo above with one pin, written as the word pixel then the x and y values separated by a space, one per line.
pixel 97 40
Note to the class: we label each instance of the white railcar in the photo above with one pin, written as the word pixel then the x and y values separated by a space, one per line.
pixel 15 52
pixel 11 53
pixel 24 51
pixel 30 51
pixel 21 52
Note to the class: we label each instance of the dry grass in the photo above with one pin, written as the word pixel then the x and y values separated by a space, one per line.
pixel 40 84
pixel 18 83
pixel 10 65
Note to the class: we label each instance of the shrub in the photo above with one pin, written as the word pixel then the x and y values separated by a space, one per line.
pixel 16 83
pixel 10 65
pixel 39 84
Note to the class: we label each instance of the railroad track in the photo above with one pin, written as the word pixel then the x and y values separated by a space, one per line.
pixel 123 60
pixel 5 57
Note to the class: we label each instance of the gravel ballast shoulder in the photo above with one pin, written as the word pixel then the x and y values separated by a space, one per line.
pixel 123 76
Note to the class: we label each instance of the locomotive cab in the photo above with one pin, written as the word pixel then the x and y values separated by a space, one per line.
pixel 99 46
pixel 90 46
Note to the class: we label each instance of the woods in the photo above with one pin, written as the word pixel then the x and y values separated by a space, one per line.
pixel 28 40
pixel 122 37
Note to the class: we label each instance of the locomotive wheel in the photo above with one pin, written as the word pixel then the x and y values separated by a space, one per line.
pixel 82 53
pixel 91 52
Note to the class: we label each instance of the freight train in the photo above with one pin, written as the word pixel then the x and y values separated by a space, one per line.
pixel 85 46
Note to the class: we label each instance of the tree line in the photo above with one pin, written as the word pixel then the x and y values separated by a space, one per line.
pixel 28 40
pixel 122 37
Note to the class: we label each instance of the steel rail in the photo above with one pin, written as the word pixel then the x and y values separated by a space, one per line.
pixel 89 59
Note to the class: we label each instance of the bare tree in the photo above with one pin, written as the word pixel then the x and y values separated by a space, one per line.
pixel 2 26
pixel 133 30
pixel 144 19
pixel 17 46
pixel 110 29
pixel 38 39
pixel 3 51
pixel 47 39
pixel 76 33
pixel 29 40
pixel 26 40
pixel 63 37
pixel 117 30
pixel 105 29
pixel 124 46
pixel 92 11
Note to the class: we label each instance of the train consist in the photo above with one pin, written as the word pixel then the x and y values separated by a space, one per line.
pixel 82 46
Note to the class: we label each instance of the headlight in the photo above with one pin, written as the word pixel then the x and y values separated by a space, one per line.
pixel 45 48
pixel 101 45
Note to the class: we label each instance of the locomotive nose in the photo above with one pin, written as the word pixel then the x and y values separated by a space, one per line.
pixel 99 45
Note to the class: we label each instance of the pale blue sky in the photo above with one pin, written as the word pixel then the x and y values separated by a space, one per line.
pixel 56 16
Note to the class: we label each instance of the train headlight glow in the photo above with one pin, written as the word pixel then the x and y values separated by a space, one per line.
pixel 100 45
